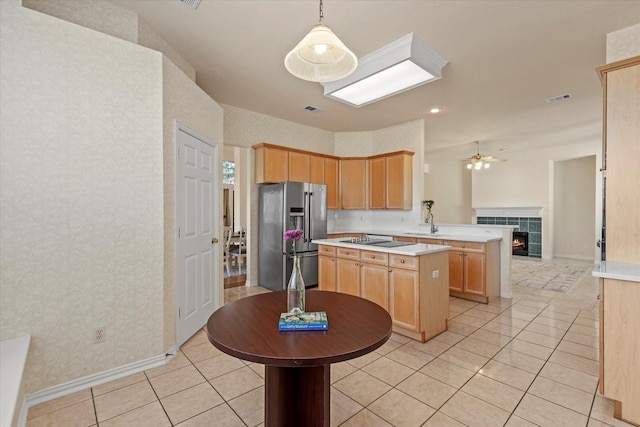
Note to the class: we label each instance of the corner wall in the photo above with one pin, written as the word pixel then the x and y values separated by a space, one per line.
pixel 81 224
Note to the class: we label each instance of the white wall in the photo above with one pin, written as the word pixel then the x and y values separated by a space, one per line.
pixel 448 184
pixel 574 214
pixel 88 193
pixel 81 225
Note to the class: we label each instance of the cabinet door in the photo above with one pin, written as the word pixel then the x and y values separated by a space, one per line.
pixel 316 169
pixel 475 274
pixel 298 167
pixel 327 273
pixel 404 298
pixel 622 175
pixel 399 181
pixel 374 284
pixel 331 180
pixel 377 183
pixel 272 165
pixel 348 276
pixel 456 270
pixel 601 335
pixel 353 181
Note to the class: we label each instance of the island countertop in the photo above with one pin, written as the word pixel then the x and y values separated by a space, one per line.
pixel 418 235
pixel 618 271
pixel 409 250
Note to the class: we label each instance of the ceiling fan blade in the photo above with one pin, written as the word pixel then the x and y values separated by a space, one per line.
pixel 492 159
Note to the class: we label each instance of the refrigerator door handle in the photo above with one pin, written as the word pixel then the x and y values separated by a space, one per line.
pixel 310 218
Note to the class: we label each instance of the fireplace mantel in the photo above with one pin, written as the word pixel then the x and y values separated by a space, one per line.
pixel 513 212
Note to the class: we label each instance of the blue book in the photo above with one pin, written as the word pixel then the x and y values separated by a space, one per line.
pixel 308 321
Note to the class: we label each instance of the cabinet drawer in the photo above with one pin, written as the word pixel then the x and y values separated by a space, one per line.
pixel 403 261
pixel 379 258
pixel 349 253
pixel 472 246
pixel 405 239
pixel 327 250
pixel 431 241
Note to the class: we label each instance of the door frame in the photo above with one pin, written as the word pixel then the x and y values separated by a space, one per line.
pixel 178 175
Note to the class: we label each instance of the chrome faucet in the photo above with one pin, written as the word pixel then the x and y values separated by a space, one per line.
pixel 434 229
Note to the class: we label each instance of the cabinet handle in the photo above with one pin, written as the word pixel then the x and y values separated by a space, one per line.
pixel 346 252
pixel 373 257
pixel 401 261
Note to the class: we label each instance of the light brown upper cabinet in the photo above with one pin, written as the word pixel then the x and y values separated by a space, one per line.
pixel 316 169
pixel 332 181
pixel 353 183
pixel 384 181
pixel 272 164
pixel 298 166
pixel 391 181
pixel 377 182
pixel 399 176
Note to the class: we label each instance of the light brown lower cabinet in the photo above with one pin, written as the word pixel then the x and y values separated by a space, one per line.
pixel 374 278
pixel 327 268
pixel 620 347
pixel 414 289
pixel 474 270
pixel 348 271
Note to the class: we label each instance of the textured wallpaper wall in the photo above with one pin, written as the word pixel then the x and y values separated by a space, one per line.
pixel 81 224
pixel 187 104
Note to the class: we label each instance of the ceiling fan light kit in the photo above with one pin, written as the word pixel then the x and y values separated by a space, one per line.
pixel 320 56
pixel 479 162
pixel 402 65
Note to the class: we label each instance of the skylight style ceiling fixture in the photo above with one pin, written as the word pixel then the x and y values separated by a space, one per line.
pixel 478 161
pixel 402 65
pixel 320 56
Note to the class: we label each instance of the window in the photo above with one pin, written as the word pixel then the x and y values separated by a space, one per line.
pixel 228 172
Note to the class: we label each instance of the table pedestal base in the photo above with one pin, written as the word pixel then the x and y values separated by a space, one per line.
pixel 297 396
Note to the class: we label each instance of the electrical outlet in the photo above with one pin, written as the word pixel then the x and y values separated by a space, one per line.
pixel 435 274
pixel 99 335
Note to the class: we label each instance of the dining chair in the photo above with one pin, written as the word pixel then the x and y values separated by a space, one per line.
pixel 226 251
pixel 239 251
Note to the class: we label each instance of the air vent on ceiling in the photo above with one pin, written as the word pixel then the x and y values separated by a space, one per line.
pixel 193 4
pixel 312 108
pixel 559 98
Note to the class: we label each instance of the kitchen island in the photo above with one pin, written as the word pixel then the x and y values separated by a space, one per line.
pixel 409 280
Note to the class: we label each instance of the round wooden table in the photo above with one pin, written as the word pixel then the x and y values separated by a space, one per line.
pixel 298 363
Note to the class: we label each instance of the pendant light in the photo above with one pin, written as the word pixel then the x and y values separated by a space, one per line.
pixel 321 56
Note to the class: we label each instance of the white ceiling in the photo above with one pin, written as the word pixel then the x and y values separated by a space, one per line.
pixel 505 59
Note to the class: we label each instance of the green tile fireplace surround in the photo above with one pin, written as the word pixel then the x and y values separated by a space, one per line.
pixel 531 225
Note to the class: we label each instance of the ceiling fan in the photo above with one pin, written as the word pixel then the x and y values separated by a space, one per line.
pixel 478 161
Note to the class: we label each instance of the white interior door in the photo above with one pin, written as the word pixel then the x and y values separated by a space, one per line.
pixel 198 254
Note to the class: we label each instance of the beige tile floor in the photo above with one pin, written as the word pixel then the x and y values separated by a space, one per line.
pixel 527 361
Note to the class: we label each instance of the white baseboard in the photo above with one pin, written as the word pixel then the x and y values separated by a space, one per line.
pixel 84 383
pixel 570 256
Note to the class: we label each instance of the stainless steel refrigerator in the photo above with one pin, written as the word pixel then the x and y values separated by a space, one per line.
pixel 287 206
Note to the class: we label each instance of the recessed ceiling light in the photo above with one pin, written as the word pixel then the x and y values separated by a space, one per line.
pixel 435 110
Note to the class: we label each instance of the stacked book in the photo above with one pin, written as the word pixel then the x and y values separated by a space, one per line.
pixel 308 321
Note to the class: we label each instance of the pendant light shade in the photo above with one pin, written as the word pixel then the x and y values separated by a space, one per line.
pixel 321 56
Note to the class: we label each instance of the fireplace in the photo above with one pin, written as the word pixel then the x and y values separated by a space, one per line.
pixel 520 244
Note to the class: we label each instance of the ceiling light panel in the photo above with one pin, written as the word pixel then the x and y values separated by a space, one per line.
pixel 402 65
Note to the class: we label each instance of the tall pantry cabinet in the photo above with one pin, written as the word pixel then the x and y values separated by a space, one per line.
pixel 620 294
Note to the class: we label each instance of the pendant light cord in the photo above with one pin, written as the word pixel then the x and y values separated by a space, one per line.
pixel 321 12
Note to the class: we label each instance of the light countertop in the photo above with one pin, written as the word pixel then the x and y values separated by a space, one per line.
pixel 442 236
pixel 409 250
pixel 618 271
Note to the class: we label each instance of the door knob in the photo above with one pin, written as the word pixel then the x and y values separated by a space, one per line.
pixel 214 240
